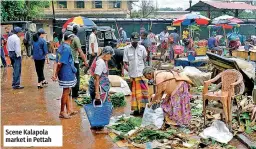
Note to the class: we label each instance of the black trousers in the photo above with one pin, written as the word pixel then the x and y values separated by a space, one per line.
pixel 40 69
pixel 75 89
pixel 91 58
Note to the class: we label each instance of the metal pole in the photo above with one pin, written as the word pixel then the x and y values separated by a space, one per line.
pixel 53 13
pixel 190 3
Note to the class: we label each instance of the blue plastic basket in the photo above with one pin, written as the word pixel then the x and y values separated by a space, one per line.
pixel 99 115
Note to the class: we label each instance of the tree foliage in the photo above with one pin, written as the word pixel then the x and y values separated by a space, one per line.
pixel 22 10
pixel 146 8
pixel 171 9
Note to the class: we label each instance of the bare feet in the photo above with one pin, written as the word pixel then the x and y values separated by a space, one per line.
pixel 73 113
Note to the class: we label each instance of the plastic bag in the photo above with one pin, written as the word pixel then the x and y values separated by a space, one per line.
pixel 217 131
pixel 197 77
pixel 153 115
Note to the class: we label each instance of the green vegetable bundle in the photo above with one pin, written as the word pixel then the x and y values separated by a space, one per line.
pixel 118 100
pixel 83 101
pixel 125 125
pixel 148 135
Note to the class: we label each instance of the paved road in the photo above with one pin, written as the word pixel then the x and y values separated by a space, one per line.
pixel 31 106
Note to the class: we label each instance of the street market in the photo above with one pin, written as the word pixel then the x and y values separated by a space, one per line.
pixel 185 82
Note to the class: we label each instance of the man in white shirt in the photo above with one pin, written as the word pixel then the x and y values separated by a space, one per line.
pixel 14 49
pixel 134 62
pixel 93 46
pixel 164 35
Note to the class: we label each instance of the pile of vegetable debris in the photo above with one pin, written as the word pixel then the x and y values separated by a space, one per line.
pixel 118 100
pixel 124 125
pixel 82 101
pixel 149 135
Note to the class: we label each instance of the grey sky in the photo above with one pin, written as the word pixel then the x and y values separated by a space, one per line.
pixel 182 3
pixel 175 3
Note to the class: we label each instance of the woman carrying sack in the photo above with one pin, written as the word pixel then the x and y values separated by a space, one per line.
pixel 176 105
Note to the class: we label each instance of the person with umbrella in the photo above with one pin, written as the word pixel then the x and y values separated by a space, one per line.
pixel 76 48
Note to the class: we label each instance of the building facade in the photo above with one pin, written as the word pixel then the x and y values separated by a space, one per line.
pixel 90 8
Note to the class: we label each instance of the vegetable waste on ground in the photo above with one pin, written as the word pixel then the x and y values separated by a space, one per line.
pixel 124 125
pixel 118 100
pixel 83 100
pixel 148 135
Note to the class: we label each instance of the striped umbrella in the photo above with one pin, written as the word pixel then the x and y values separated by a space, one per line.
pixel 191 18
pixel 82 21
pixel 226 19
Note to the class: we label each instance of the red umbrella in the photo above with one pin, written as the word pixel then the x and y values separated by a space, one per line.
pixel 190 18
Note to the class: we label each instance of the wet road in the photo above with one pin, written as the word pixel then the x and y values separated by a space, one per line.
pixel 31 106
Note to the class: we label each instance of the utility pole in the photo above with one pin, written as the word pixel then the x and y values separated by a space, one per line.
pixel 190 4
pixel 53 13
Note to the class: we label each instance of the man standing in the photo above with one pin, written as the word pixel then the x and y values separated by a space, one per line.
pixel 164 35
pixel 153 42
pixel 146 43
pixel 213 44
pixel 134 63
pixel 93 46
pixel 175 41
pixel 27 42
pixel 14 48
pixel 123 35
pixel 2 52
pixel 76 51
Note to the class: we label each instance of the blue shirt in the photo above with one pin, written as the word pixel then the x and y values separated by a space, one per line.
pixel 123 36
pixel 40 49
pixel 211 42
pixel 145 43
pixel 67 71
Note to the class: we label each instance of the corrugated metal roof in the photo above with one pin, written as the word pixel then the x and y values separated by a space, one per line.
pixel 203 6
pixel 223 5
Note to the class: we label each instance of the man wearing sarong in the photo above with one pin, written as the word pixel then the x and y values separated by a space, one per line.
pixel 134 62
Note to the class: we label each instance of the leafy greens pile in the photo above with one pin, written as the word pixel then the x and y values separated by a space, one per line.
pixel 148 135
pixel 83 101
pixel 125 125
pixel 118 100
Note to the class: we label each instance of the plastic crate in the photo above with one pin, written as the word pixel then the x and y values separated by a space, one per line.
pixel 99 116
pixel 201 51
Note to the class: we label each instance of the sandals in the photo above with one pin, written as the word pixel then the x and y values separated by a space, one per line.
pixel 73 113
pixel 64 116
pixel 44 83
